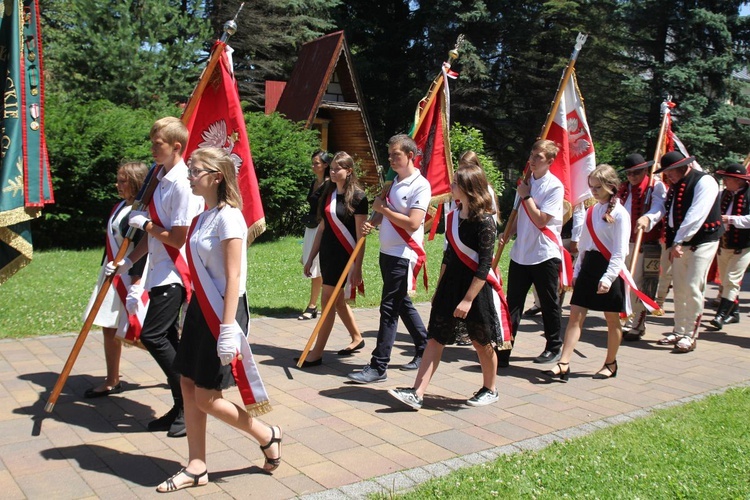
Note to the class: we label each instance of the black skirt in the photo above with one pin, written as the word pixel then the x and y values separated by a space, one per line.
pixel 593 267
pixel 196 354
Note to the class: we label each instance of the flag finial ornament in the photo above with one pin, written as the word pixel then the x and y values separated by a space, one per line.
pixel 230 27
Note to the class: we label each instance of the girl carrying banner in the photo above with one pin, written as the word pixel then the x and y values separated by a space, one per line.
pixel 343 212
pixel 122 312
pixel 216 323
pixel 469 298
pixel 597 280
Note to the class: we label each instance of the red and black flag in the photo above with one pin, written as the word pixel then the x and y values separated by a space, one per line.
pixel 25 184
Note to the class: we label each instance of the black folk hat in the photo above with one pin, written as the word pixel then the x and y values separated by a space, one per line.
pixel 674 159
pixel 734 170
pixel 635 162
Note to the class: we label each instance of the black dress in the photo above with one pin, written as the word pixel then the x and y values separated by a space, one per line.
pixel 481 324
pixel 333 256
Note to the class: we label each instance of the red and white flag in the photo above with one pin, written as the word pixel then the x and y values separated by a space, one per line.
pixel 570 131
pixel 218 122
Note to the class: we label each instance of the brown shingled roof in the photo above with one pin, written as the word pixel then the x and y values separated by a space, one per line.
pixel 323 92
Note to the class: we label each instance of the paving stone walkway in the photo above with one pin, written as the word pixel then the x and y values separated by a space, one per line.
pixel 340 440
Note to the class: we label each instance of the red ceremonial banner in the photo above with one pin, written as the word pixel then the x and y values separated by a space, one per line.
pixel 218 122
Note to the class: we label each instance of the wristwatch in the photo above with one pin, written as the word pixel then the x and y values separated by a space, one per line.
pixel 526 197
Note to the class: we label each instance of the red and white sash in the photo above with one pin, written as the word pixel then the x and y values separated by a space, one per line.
pixel 129 325
pixel 347 241
pixel 245 371
pixel 566 267
pixel 648 302
pixel 470 258
pixel 415 265
pixel 156 212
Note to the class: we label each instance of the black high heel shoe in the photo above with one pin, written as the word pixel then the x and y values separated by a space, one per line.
pixel 309 313
pixel 562 375
pixel 612 373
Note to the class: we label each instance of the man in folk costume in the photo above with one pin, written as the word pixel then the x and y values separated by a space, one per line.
pixel 693 219
pixel 166 223
pixel 734 249
pixel 537 253
pixel 646 213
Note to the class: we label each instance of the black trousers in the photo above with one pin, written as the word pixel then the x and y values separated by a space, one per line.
pixel 545 277
pixel 395 303
pixel 160 334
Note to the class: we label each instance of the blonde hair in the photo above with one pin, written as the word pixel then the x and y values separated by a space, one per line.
pixel 171 130
pixel 218 160
pixel 135 172
pixel 549 148
pixel 610 181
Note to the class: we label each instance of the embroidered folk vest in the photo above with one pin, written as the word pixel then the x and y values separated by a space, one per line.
pixel 733 237
pixel 637 209
pixel 681 196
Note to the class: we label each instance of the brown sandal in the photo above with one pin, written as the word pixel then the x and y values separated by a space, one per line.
pixel 272 463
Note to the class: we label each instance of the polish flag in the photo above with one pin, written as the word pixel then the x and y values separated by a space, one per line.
pixel 570 131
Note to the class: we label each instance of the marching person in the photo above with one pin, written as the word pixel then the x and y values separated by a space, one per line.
pixel 126 290
pixel 646 211
pixel 693 230
pixel 320 167
pixel 537 253
pixel 216 323
pixel 166 222
pixel 343 213
pixel 468 299
pixel 734 249
pixel 597 283
pixel 401 217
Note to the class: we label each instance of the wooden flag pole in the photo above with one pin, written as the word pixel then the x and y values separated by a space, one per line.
pixel 651 180
pixel 580 40
pixel 145 196
pixel 230 27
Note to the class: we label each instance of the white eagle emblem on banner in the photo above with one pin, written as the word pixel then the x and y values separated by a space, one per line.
pixel 216 137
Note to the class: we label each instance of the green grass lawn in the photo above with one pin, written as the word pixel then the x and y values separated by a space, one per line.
pixel 698 450
pixel 49 295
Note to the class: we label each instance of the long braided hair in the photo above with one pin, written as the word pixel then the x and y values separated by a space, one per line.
pixel 610 181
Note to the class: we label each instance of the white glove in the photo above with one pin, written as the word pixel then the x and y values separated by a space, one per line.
pixel 133 298
pixel 119 268
pixel 138 219
pixel 228 343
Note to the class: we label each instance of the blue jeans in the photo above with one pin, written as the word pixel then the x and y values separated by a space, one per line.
pixel 395 303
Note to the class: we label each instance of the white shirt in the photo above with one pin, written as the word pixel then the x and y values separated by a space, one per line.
pixel 579 218
pixel 657 209
pixel 214 227
pixel 704 197
pixel 180 206
pixel 532 246
pixel 405 195
pixel 738 221
pixel 614 236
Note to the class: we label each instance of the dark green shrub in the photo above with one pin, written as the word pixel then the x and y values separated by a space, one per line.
pixel 281 154
pixel 86 142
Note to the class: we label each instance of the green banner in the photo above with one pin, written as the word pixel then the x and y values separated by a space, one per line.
pixel 25 184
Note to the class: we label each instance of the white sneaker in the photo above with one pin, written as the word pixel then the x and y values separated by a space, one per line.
pixel 407 396
pixel 483 397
